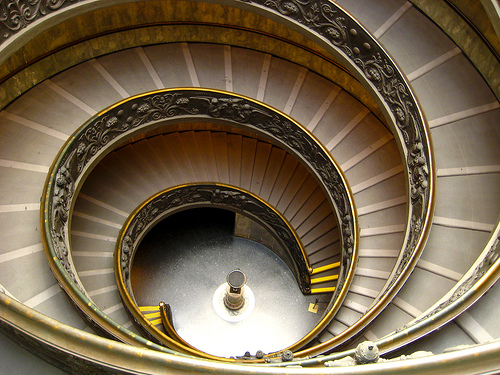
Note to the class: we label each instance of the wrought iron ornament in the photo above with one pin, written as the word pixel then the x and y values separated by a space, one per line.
pixel 15 15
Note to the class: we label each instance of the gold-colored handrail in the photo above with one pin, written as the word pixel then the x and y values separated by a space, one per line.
pixel 166 320
pixel 407 124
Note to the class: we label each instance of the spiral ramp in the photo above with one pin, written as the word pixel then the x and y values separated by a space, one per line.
pixel 461 111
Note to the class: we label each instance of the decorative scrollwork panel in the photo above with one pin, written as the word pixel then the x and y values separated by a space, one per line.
pixel 16 15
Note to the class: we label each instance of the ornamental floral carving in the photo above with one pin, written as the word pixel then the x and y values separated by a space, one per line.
pixel 61 202
pixel 320 16
pixel 16 15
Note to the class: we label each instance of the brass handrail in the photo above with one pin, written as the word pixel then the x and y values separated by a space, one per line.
pixel 351 43
pixel 176 198
pixel 166 320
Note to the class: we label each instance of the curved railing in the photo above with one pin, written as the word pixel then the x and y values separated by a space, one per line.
pixel 416 151
pixel 338 32
pixel 168 202
pixel 232 198
pixel 117 124
pixel 335 30
pixel 471 282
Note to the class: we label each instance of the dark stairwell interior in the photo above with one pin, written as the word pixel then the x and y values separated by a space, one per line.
pixel 186 257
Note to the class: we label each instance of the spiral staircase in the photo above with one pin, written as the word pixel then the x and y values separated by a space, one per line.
pixel 382 274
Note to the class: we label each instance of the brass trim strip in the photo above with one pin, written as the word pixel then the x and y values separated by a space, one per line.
pixel 323 290
pixel 149 308
pixel 318 280
pixel 76 159
pixel 290 230
pixel 167 324
pixel 325 268
pixel 152 315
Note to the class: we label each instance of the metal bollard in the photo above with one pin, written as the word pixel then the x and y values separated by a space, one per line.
pixel 236 281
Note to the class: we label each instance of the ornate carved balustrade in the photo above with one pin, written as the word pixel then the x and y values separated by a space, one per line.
pixel 227 197
pixel 339 33
pixel 15 16
pixel 116 125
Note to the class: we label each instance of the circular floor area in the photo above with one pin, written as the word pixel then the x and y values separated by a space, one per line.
pixel 187 257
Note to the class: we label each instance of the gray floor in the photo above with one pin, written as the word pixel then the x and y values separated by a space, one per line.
pixel 184 267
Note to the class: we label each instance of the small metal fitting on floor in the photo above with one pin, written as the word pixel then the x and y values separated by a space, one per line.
pixel 287 356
